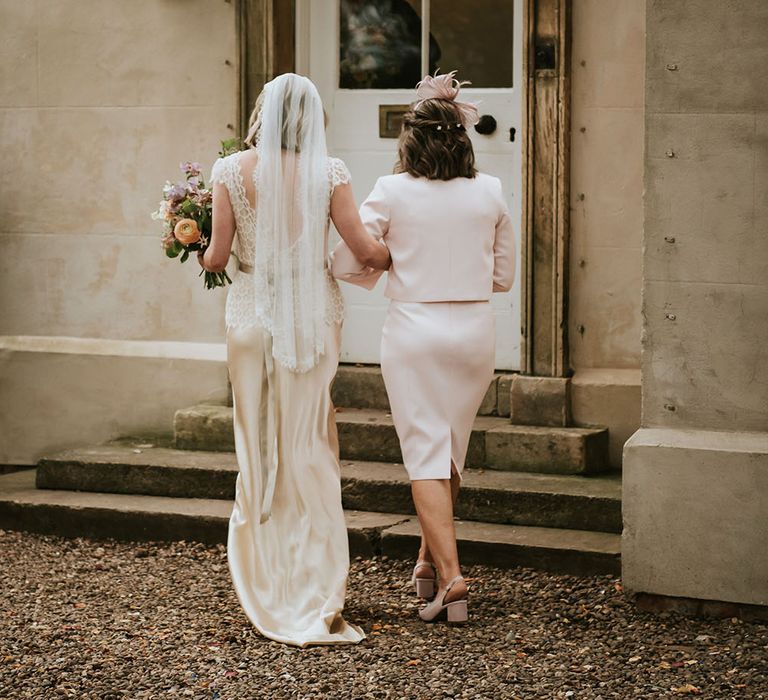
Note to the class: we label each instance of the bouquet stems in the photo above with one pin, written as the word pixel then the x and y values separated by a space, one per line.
pixel 215 279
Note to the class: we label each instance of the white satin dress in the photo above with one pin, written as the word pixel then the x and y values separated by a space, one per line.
pixel 287 545
pixel 452 245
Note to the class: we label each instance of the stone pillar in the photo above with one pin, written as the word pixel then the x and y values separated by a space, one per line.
pixel 696 473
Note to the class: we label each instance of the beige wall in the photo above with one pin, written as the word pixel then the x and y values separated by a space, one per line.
pixel 66 392
pixel 99 102
pixel 696 475
pixel 608 59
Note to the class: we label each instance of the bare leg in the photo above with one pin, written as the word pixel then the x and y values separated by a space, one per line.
pixel 434 505
pixel 424 552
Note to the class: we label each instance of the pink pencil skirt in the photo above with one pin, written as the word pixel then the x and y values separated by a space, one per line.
pixel 437 359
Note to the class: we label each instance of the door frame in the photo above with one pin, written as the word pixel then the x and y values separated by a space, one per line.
pixel 266 33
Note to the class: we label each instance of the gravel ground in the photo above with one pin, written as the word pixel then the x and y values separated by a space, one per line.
pixel 106 620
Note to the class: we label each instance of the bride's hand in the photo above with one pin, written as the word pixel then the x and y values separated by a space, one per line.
pixel 201 259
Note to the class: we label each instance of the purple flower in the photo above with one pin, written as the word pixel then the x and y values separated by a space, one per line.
pixel 192 169
pixel 176 191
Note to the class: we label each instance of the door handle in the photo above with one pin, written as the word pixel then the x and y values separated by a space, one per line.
pixel 486 125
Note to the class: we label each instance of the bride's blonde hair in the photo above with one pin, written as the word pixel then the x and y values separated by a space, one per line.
pixel 254 121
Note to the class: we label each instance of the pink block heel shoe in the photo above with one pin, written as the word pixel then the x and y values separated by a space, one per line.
pixel 424 585
pixel 454 612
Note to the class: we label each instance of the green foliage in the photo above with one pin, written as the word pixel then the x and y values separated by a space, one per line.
pixel 229 146
pixel 189 209
pixel 173 250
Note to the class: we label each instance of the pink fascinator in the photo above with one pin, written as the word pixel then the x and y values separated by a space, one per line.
pixel 446 87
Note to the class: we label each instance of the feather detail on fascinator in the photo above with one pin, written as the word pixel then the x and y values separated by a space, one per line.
pixel 446 87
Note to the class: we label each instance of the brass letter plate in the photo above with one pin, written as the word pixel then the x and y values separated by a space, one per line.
pixel 391 120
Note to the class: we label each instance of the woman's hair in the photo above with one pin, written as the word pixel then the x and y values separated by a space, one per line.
pixel 254 122
pixel 434 143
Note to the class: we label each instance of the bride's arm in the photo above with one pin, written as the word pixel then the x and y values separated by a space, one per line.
pixel 368 250
pixel 223 232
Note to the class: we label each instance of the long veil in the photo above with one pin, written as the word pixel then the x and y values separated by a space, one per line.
pixel 293 190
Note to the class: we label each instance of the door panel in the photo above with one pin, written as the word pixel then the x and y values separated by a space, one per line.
pixel 359 53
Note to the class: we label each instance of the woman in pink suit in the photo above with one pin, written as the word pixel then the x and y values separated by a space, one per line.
pixel 451 240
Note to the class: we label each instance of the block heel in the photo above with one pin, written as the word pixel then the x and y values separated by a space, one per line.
pixel 457 612
pixel 425 588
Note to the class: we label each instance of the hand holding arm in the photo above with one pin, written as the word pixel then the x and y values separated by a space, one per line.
pixel 366 248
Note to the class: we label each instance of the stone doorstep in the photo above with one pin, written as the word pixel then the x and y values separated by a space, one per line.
pixel 146 471
pixel 362 386
pixel 487 496
pixel 369 435
pixel 145 518
pixel 549 549
pixel 572 502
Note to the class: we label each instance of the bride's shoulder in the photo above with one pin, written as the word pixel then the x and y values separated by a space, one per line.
pixel 338 172
pixel 227 168
pixel 248 157
pixel 222 169
pixel 336 164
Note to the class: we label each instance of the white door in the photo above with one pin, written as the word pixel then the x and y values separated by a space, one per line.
pixel 366 56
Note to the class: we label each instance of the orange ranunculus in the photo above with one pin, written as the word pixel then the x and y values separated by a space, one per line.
pixel 186 232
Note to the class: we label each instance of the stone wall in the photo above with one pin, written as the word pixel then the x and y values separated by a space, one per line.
pixel 608 59
pixel 99 102
pixel 696 474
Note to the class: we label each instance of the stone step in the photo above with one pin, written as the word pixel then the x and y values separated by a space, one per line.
pixel 560 551
pixel 508 498
pixel 369 435
pixel 362 386
pixel 145 518
pixel 573 502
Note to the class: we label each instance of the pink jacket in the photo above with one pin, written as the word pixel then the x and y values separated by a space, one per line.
pixel 449 240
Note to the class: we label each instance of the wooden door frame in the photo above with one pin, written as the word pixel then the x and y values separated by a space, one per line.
pixel 266 36
pixel 546 186
pixel 266 31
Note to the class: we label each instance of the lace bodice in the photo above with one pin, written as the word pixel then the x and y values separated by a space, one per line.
pixel 240 309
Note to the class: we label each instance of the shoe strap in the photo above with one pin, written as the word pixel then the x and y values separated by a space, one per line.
pixel 424 562
pixel 453 582
pixel 450 585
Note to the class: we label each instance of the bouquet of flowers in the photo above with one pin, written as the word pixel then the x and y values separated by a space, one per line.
pixel 186 215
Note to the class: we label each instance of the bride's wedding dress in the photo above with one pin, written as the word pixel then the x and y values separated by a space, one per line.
pixel 287 544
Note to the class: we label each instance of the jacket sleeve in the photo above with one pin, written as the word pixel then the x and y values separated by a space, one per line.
pixel 374 212
pixel 503 249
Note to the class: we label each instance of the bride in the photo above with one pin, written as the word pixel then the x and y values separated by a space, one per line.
pixel 287 545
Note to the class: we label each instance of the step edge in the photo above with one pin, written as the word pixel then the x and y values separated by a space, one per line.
pixel 404 529
pixel 47 466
